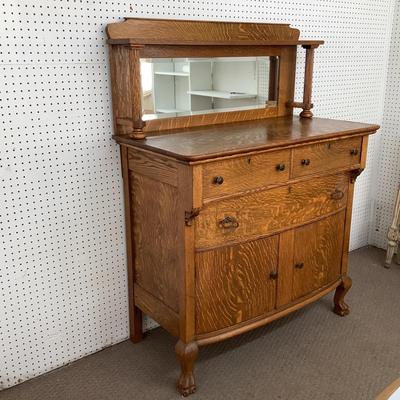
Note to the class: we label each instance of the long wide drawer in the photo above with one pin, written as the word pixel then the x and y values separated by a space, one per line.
pixel 262 213
pixel 243 173
pixel 326 156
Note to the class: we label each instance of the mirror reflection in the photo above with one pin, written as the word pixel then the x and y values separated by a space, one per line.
pixel 185 86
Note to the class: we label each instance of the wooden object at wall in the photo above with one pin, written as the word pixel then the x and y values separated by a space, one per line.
pixel 141 38
pixel 236 223
pixel 393 235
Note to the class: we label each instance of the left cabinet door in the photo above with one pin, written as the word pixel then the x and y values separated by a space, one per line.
pixel 235 283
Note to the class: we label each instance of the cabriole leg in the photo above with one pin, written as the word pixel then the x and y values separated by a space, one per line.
pixel 187 354
pixel 341 308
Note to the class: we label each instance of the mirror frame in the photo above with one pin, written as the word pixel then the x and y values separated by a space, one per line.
pixel 136 38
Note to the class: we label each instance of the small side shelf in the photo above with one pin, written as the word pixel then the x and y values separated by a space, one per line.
pixel 222 94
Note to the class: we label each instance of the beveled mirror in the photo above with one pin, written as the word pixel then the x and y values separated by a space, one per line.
pixel 173 87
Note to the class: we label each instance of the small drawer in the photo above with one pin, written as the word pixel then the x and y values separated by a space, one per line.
pixel 261 213
pixel 244 173
pixel 326 156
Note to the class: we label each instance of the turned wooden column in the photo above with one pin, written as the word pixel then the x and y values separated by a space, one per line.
pixel 137 122
pixel 308 76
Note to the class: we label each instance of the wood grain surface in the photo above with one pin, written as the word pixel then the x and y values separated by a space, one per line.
pixel 203 143
pixel 155 308
pixel 285 277
pixel 155 233
pixel 244 173
pixel 121 88
pixel 162 31
pixel 271 210
pixel 326 156
pixel 233 283
pixel 153 166
pixel 318 246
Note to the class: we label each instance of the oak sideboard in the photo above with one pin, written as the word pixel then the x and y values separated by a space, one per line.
pixel 237 211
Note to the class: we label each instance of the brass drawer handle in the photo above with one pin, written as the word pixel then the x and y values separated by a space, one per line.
pixel 337 195
pixel 228 222
pixel 280 167
pixel 273 275
pixel 218 180
pixel 305 161
pixel 299 265
pixel 354 152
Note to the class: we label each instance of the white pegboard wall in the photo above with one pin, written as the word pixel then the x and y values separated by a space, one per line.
pixel 63 262
pixel 388 171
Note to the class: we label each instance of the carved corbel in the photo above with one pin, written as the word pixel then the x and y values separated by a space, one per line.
pixel 354 173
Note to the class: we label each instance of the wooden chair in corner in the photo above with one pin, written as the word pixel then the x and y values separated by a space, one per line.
pixel 393 235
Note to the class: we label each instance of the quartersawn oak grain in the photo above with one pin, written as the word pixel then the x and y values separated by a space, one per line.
pixel 268 211
pixel 156 227
pixel 244 173
pixel 318 248
pixel 205 143
pixel 160 31
pixel 326 156
pixel 209 262
pixel 231 288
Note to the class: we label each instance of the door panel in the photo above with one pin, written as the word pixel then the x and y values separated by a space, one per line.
pixel 234 283
pixel 317 254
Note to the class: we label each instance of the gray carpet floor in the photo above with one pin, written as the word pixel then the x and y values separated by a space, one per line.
pixel 311 354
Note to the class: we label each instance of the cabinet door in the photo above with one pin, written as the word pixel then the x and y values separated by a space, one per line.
pixel 235 283
pixel 317 254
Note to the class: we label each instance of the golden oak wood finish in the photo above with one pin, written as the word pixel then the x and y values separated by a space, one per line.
pixel 231 288
pixel 144 38
pixel 205 143
pixel 244 173
pixel 266 212
pixel 328 155
pixel 196 33
pixel 236 223
pixel 317 254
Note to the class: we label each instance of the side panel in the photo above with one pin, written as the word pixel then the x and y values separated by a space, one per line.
pixel 155 219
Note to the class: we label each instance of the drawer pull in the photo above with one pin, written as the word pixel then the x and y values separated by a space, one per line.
pixel 337 195
pixel 299 265
pixel 228 222
pixel 280 167
pixel 305 161
pixel 354 152
pixel 218 180
pixel 273 275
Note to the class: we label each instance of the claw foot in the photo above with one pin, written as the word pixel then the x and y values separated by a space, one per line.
pixel 186 385
pixel 187 354
pixel 341 308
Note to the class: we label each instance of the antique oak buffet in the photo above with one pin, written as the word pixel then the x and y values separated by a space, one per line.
pixel 235 216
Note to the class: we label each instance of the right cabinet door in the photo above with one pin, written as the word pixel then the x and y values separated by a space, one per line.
pixel 317 256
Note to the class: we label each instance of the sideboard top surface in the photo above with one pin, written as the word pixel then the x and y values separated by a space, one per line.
pixel 202 143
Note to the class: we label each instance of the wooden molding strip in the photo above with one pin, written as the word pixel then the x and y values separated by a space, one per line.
pixel 162 31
